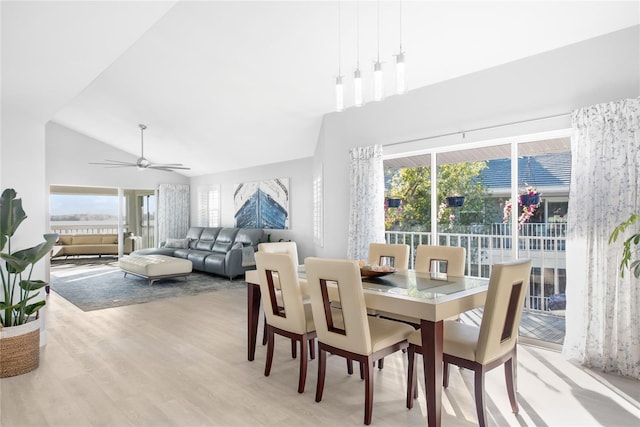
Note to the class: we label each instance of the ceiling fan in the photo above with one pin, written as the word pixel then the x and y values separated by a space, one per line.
pixel 142 163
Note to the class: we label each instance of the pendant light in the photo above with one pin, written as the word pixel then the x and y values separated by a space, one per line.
pixel 357 77
pixel 401 78
pixel 339 86
pixel 377 66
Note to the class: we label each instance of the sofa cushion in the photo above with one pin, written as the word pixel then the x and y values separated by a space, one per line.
pixel 65 239
pixel 86 240
pixel 194 234
pixel 225 240
pixel 177 243
pixel 250 237
pixel 214 263
pixel 109 240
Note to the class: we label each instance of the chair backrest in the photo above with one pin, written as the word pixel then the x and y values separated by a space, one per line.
pixel 279 268
pixel 351 331
pixel 503 309
pixel 453 256
pixel 281 247
pixel 398 253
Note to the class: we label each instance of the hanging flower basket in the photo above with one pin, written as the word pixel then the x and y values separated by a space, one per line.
pixel 393 203
pixel 529 202
pixel 530 199
pixel 455 201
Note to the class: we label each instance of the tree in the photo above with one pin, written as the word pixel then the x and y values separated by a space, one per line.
pixel 413 186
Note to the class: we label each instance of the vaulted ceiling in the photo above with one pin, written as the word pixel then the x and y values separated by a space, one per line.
pixel 227 85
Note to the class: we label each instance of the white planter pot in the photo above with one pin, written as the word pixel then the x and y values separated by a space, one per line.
pixel 19 349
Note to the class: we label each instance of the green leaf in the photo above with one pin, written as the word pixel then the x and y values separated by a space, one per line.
pixel 11 215
pixel 34 254
pixel 14 265
pixel 33 308
pixel 32 285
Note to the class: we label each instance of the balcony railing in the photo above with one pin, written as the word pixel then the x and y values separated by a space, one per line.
pixel 544 244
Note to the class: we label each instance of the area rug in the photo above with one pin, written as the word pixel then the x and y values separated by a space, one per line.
pixel 95 284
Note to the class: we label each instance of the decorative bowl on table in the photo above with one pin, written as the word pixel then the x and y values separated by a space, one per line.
pixel 376 270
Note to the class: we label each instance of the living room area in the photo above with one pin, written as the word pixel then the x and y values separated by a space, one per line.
pixel 235 108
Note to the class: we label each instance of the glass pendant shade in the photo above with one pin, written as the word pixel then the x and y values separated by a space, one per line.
pixel 401 79
pixel 377 82
pixel 357 88
pixel 339 94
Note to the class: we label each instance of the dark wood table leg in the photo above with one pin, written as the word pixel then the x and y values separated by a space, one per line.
pixel 253 313
pixel 432 361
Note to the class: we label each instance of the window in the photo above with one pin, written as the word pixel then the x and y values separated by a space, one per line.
pixel 209 206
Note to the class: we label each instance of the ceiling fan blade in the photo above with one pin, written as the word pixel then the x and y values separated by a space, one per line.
pixel 168 167
pixel 142 162
pixel 113 163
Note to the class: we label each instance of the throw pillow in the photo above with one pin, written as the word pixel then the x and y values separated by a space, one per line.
pixel 177 243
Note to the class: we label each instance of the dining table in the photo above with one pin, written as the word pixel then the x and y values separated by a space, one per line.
pixel 430 298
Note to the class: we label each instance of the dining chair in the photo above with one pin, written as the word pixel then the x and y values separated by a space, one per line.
pixel 395 254
pixel 454 258
pixel 286 314
pixel 488 346
pixel 290 248
pixel 354 335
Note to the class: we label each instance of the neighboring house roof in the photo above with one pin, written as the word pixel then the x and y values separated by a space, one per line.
pixel 544 170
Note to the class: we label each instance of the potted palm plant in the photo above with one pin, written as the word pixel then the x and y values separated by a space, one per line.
pixel 19 324
pixel 633 266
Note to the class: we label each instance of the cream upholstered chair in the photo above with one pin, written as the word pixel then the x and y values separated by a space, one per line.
pixel 490 345
pixel 453 256
pixel 281 247
pixel 353 335
pixel 286 314
pixel 290 248
pixel 398 254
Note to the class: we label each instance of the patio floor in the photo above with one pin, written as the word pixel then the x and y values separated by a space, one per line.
pixel 536 325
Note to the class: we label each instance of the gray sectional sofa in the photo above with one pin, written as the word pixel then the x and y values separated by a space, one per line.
pixel 222 251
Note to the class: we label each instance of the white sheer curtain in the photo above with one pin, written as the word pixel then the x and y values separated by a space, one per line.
pixel 603 309
pixel 366 214
pixel 173 211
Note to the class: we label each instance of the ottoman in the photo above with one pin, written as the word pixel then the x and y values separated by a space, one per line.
pixel 155 267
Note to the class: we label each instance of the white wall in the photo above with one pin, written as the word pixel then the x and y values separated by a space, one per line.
pixel 300 177
pixel 603 69
pixel 68 154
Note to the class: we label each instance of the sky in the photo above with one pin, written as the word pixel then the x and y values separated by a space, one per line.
pixel 63 204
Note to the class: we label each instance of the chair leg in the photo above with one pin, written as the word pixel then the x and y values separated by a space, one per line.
pixel 294 349
pixel 362 371
pixel 303 363
pixel 411 377
pixel 322 369
pixel 381 363
pixel 270 345
pixel 264 332
pixel 479 392
pixel 349 366
pixel 312 348
pixel 368 391
pixel 510 376
pixel 445 374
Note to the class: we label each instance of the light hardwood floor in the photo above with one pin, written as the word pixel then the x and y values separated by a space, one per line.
pixel 182 362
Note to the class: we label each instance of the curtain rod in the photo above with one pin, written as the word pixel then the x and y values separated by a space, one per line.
pixel 463 132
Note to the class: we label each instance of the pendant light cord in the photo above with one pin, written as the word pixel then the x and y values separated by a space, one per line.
pixel 378 25
pixel 400 26
pixel 339 38
pixel 358 34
